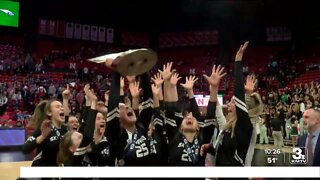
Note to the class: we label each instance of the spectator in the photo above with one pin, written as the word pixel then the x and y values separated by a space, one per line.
pixel 277 131
pixel 3 103
pixel 26 97
pixel 294 130
pixel 263 132
pixel 52 90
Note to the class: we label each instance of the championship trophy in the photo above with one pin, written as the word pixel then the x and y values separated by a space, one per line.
pixel 131 62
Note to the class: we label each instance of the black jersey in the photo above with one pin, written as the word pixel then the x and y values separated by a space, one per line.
pixel 157 143
pixel 46 151
pixel 129 149
pixel 181 152
pixel 99 155
pixel 78 156
pixel 233 151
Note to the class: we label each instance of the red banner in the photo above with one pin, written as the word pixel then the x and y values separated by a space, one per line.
pixel 189 39
pixel 135 39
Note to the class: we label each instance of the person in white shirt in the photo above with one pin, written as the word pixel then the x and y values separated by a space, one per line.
pixel 263 131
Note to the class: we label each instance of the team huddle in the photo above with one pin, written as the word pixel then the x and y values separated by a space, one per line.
pixel 148 127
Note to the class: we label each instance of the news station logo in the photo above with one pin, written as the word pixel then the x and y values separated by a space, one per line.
pixel 298 156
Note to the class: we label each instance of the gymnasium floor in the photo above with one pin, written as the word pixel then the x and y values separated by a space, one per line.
pixel 11 160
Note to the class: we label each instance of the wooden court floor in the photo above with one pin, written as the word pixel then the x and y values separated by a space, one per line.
pixel 11 170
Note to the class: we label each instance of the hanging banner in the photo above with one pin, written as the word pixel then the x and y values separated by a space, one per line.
pixel 52 28
pixel 102 34
pixel 85 32
pixel 60 29
pixel 183 39
pixel 69 30
pixel 77 31
pixel 110 35
pixel 278 34
pixel 94 33
pixel 43 27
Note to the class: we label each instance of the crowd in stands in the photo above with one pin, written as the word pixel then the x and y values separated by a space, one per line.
pixel 288 105
pixel 26 81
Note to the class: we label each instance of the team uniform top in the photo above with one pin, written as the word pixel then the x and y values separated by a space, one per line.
pixel 182 152
pixel 157 142
pixel 78 156
pixel 129 149
pixel 46 154
pixel 233 151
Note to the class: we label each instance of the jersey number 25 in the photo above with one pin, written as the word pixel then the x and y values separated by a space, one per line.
pixel 142 150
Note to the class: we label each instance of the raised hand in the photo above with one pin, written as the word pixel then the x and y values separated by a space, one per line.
pixel 188 85
pixel 241 50
pixel 46 128
pixel 250 84
pixel 86 88
pixel 174 79
pixel 131 79
pixel 155 90
pixel 215 77
pixel 106 97
pixel 123 112
pixel 166 72
pixel 92 96
pixel 135 89
pixel 101 107
pixel 66 93
pixel 121 83
pixel 157 79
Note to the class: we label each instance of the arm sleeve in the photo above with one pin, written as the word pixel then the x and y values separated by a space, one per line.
pixel 173 118
pixel 211 150
pixel 83 117
pixel 122 99
pixel 158 122
pixel 220 117
pixel 208 124
pixel 243 129
pixel 31 142
pixel 81 151
pixel 90 126
pixel 146 107
pixel 195 109
pixel 113 126
pixel 161 102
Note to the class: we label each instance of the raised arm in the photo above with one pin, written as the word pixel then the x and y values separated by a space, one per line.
pixel 135 91
pixel 220 116
pixel 157 120
pixel 172 112
pixel 88 103
pixel 188 86
pixel 91 118
pixel 214 81
pixel 243 128
pixel 158 82
pixel 249 88
pixel 88 131
pixel 113 125
pixel 146 107
pixel 66 95
pixel 243 119
pixel 170 90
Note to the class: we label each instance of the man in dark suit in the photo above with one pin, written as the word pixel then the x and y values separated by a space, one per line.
pixel 311 140
pixel 25 93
